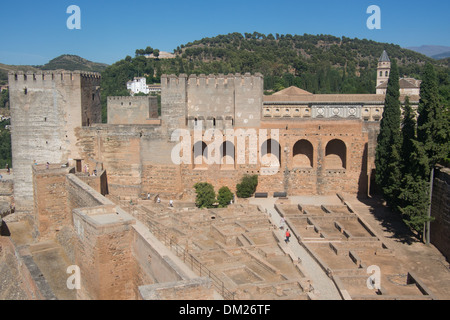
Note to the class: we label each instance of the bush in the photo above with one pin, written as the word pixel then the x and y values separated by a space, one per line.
pixel 247 187
pixel 206 197
pixel 224 197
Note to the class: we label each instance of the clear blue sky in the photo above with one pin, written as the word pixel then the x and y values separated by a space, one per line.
pixel 34 32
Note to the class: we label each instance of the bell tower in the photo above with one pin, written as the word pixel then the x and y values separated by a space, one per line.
pixel 384 68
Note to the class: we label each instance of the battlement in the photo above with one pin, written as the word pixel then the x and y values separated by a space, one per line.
pixel 212 80
pixel 51 76
pixel 129 98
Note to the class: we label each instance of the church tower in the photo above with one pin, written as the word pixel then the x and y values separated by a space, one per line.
pixel 384 68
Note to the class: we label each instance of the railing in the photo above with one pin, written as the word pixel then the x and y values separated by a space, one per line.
pixel 187 258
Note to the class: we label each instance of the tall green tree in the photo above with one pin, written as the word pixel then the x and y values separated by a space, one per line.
pixel 432 131
pixel 414 190
pixel 387 160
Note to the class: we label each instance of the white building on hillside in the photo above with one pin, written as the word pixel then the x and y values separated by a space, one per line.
pixel 138 85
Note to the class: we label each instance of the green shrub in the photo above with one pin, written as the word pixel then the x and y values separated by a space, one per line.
pixel 206 197
pixel 247 187
pixel 224 197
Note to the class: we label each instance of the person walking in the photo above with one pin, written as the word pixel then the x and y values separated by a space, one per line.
pixel 282 222
pixel 7 168
pixel 288 235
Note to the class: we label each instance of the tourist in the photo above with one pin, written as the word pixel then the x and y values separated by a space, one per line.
pixel 282 222
pixel 47 165
pixel 288 235
pixel 171 203
pixel 158 200
pixel 7 168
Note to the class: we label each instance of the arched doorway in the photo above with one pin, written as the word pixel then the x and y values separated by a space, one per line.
pixel 270 153
pixel 303 154
pixel 200 153
pixel 336 155
pixel 227 155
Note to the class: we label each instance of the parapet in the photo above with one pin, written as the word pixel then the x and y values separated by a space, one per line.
pixel 212 80
pixel 51 75
pixel 173 80
pixel 129 98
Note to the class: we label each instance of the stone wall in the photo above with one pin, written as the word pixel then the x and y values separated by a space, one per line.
pixel 103 253
pixel 440 210
pixel 132 110
pixel 6 189
pixel 50 195
pixel 16 282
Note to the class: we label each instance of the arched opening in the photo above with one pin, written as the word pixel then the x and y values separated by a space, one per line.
pixel 227 155
pixel 200 153
pixel 336 155
pixel 303 154
pixel 270 153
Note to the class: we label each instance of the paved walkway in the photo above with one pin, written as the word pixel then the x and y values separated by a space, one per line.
pixel 324 287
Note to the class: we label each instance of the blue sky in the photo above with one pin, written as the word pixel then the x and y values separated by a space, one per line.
pixel 34 32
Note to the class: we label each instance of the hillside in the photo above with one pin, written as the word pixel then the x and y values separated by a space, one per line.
pixel 72 62
pixel 316 63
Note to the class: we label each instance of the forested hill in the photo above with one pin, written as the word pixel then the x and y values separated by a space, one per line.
pixel 316 63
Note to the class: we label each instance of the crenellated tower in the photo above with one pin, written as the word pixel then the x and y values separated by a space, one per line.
pixel 220 101
pixel 46 109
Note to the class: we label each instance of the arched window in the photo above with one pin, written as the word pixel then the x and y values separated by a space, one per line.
pixel 200 152
pixel 336 155
pixel 381 73
pixel 227 153
pixel 303 154
pixel 270 153
pixel 387 73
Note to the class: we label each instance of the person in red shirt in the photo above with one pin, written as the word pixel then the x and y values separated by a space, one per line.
pixel 288 235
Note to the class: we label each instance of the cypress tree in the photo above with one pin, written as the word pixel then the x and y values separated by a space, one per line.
pixel 387 160
pixel 432 130
pixel 414 190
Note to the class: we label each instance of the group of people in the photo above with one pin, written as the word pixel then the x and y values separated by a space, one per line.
pixel 158 200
